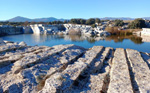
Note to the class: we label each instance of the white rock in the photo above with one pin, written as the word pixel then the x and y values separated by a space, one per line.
pixel 22 43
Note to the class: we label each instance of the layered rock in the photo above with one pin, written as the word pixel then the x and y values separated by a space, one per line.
pixel 86 30
pixel 69 29
pixel 70 68
pixel 8 30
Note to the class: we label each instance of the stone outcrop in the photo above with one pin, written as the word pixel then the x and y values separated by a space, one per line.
pixel 69 29
pixel 10 30
pixel 27 30
pixel 87 30
pixel 70 68
pixel 44 29
pixel 62 29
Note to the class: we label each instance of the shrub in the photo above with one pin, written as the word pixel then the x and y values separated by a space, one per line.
pixel 115 31
pixel 90 21
pixel 137 24
pixel 93 25
pixel 119 23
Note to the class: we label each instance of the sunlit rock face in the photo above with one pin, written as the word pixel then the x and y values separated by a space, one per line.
pixel 68 29
pixel 43 29
pixel 85 30
pixel 27 30
pixel 145 38
pixel 146 32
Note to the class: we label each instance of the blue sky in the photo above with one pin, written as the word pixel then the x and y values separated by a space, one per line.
pixel 74 8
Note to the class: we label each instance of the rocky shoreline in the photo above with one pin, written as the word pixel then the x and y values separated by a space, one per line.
pixel 71 68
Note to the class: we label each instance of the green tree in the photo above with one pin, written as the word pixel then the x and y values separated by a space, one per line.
pixel 90 21
pixel 119 22
pixel 66 21
pixel 137 24
pixel 82 21
pixel 93 25
pixel 97 20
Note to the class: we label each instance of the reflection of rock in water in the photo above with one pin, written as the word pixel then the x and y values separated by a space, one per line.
pixel 82 38
pixel 38 38
pixel 74 37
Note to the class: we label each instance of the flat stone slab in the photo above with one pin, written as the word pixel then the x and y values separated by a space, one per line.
pixel 70 68
pixel 63 81
pixel 140 69
pixel 10 46
pixel 119 75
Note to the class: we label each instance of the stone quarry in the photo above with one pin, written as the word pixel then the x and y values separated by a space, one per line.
pixel 72 69
pixel 57 29
pixel 61 29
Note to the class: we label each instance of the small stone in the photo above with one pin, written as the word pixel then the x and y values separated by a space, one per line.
pixel 22 43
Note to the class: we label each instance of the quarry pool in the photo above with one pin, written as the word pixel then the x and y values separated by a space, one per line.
pixel 132 42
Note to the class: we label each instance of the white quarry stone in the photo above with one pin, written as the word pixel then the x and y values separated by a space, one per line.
pixel 22 43
pixel 140 69
pixel 63 68
pixel 145 32
pixel 119 75
pixel 72 72
pixel 10 46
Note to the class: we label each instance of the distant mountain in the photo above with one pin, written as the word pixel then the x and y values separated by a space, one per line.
pixel 23 19
pixel 50 19
pixel 114 18
pixel 147 18
pixel 19 19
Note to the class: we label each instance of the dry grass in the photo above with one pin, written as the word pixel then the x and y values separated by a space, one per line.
pixel 127 21
pixel 115 31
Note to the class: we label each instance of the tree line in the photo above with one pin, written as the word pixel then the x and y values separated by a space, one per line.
pixel 72 21
pixel 136 24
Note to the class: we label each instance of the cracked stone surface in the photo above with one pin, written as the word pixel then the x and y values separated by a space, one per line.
pixel 71 68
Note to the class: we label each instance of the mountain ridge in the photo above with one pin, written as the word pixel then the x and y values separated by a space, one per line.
pixel 23 19
pixel 50 19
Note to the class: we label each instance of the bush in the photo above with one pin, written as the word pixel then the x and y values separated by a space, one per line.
pixel 90 21
pixel 78 21
pixel 97 20
pixel 119 23
pixel 137 24
pixel 93 25
pixel 115 31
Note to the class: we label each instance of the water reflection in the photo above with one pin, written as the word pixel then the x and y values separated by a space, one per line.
pixel 42 38
pixel 81 38
pixel 132 41
pixel 133 38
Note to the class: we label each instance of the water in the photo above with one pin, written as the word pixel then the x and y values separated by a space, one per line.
pixel 132 42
